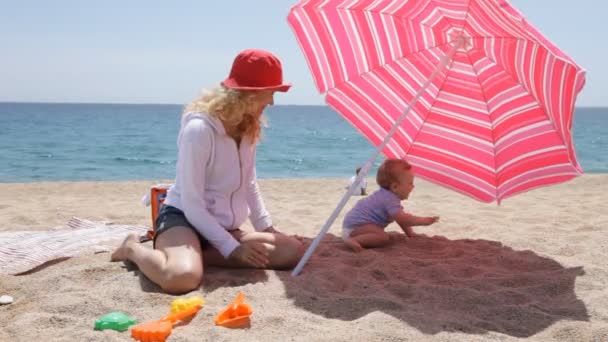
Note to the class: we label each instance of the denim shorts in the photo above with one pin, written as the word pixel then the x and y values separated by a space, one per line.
pixel 169 217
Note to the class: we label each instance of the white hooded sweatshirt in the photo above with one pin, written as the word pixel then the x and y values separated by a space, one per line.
pixel 215 183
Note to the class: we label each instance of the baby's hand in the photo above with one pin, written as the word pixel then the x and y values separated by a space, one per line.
pixel 430 220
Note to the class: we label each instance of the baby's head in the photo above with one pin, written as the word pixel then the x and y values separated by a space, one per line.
pixel 396 176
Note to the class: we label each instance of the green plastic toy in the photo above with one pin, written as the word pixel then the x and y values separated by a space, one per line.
pixel 114 320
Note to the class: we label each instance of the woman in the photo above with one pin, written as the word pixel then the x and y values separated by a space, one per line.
pixel 215 186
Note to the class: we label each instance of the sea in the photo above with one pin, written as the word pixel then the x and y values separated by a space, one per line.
pixel 98 142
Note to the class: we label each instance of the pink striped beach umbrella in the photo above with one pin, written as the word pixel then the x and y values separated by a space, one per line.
pixel 469 92
pixel 482 101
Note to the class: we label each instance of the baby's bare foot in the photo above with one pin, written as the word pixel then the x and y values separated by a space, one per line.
pixel 410 233
pixel 353 245
pixel 120 254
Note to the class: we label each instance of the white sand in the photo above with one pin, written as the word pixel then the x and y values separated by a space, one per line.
pixel 533 268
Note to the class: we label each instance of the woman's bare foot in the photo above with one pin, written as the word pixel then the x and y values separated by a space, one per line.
pixel 121 253
pixel 353 245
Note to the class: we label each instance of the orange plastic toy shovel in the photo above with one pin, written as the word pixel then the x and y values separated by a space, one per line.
pixel 236 315
pixel 158 331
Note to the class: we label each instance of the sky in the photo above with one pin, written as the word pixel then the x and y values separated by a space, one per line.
pixel 167 51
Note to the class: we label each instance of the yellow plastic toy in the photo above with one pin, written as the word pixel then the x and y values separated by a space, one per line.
pixel 158 331
pixel 183 304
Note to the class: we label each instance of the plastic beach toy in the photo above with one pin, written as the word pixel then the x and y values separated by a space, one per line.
pixel 182 304
pixel 114 320
pixel 236 315
pixel 158 331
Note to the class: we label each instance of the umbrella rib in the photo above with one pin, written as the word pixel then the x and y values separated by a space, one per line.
pixel 439 89
pixel 382 13
pixel 401 19
pixel 371 71
pixel 485 97
pixel 516 80
pixel 381 66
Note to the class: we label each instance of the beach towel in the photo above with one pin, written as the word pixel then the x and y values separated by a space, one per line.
pixel 22 251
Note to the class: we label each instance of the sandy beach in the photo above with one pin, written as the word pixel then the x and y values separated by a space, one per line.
pixel 534 268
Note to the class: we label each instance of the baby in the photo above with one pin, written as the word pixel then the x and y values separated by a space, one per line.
pixel 364 224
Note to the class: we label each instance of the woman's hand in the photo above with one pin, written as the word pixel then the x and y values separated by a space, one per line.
pixel 271 229
pixel 251 253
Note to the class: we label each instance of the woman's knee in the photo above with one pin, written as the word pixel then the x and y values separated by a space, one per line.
pixel 183 270
pixel 182 281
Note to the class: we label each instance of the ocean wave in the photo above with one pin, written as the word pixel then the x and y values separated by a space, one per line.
pixel 143 160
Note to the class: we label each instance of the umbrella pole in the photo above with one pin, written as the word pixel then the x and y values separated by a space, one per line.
pixel 368 165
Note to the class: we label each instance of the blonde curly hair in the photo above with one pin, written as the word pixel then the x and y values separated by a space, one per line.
pixel 233 108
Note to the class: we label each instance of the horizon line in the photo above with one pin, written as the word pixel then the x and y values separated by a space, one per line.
pixel 135 103
pixel 178 104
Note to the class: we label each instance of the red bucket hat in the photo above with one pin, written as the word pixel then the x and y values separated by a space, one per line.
pixel 255 69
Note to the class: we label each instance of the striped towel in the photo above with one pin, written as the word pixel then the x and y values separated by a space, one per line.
pixel 21 251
